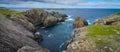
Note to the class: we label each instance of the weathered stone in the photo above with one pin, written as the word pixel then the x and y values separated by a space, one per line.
pixel 80 22
pixel 50 21
pixel 31 49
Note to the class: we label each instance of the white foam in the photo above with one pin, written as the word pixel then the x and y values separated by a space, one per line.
pixel 43 27
pixel 61 45
pixel 37 32
pixel 50 35
pixel 88 22
pixel 69 19
pixel 96 19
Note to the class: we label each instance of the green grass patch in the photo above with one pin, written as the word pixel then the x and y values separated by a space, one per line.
pixel 104 37
pixel 8 12
pixel 103 30
pixel 118 13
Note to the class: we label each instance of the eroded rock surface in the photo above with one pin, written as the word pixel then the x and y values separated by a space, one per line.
pixel 80 22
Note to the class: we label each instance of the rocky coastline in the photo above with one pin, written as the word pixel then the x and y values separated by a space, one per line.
pixel 102 36
pixel 17 29
pixel 18 32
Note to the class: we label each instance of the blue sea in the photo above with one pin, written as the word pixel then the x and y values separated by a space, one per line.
pixel 55 37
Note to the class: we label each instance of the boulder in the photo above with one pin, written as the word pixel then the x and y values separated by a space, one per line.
pixel 80 22
pixel 38 37
pixel 50 21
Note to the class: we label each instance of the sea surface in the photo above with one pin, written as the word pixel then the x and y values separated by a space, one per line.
pixel 55 37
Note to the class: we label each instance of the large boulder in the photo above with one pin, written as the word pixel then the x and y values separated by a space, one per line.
pixel 80 22
pixel 50 21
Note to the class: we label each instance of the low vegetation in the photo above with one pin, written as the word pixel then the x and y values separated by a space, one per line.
pixel 8 12
pixel 106 38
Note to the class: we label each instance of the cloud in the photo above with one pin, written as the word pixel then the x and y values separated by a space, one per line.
pixel 64 1
pixel 100 4
pixel 60 3
pixel 30 4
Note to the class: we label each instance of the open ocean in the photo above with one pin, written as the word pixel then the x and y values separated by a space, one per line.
pixel 56 36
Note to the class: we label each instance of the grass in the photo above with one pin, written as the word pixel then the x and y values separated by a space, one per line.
pixel 8 12
pixel 103 30
pixel 118 13
pixel 104 36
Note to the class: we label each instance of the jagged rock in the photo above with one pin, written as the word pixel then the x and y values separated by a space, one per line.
pixel 41 17
pixel 36 16
pixel 60 17
pixel 14 35
pixel 31 49
pixel 38 37
pixel 80 22
pixel 50 21
pixel 110 20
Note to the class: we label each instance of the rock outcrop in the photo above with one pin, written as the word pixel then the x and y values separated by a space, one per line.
pixel 16 32
pixel 96 38
pixel 44 18
pixel 17 29
pixel 110 20
pixel 80 22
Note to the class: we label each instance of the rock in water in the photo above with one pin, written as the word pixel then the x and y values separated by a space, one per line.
pixel 38 37
pixel 80 22
pixel 50 21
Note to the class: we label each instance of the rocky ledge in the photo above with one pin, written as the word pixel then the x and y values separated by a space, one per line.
pixel 104 36
pixel 17 29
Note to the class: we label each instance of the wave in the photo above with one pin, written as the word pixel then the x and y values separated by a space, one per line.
pixel 69 18
pixel 61 45
pixel 89 23
pixel 50 35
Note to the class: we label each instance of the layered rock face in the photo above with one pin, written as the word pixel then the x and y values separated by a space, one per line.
pixel 13 36
pixel 41 17
pixel 97 38
pixel 80 22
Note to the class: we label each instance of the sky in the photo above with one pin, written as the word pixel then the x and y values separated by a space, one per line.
pixel 60 3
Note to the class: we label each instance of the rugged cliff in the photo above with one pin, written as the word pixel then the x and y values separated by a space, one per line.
pixel 104 36
pixel 17 29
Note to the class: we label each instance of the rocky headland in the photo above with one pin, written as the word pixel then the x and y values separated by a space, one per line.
pixel 103 36
pixel 17 29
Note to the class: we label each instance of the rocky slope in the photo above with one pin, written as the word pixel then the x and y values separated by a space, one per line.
pixel 101 37
pixel 17 29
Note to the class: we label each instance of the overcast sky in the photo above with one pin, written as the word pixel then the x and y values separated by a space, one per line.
pixel 60 3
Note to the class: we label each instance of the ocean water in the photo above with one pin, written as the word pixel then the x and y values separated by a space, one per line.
pixel 56 36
